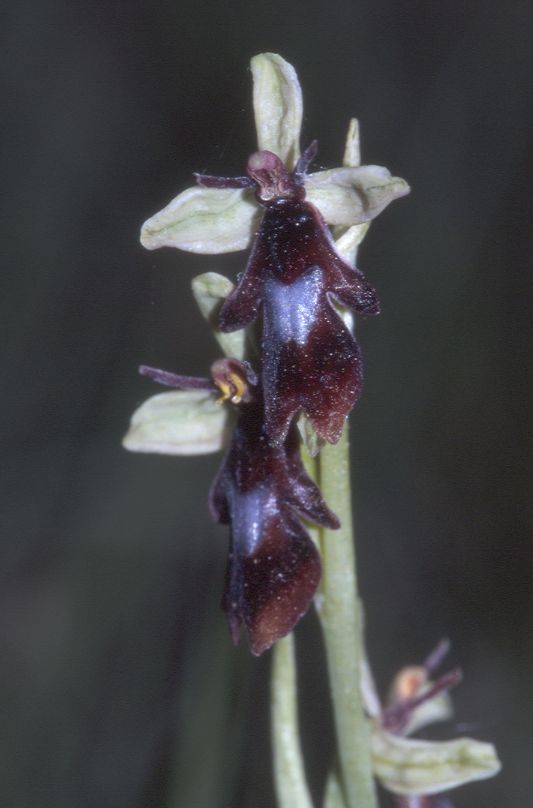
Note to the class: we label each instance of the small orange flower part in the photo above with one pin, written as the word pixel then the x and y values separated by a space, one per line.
pixel 411 688
pixel 234 379
pixel 311 361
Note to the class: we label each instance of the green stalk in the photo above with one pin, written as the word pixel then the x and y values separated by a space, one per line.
pixel 289 775
pixel 340 615
pixel 333 796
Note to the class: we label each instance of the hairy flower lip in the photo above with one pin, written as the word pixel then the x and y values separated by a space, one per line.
pixel 311 361
pixel 264 494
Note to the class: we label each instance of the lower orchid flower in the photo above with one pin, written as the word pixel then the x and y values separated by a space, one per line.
pixel 263 493
pixel 419 773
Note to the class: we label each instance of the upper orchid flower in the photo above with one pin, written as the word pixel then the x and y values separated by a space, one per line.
pixel 311 361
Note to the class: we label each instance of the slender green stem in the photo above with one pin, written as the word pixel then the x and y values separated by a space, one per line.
pixel 333 796
pixel 310 465
pixel 340 615
pixel 289 776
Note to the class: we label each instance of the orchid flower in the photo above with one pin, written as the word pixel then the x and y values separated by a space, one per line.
pixel 295 275
pixel 419 772
pixel 263 493
pixel 303 285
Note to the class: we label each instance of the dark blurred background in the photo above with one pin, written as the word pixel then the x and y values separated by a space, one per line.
pixel 118 683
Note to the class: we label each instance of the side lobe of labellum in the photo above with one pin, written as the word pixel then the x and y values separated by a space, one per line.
pixel 273 567
pixel 311 360
pixel 300 491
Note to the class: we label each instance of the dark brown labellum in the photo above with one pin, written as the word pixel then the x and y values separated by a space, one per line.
pixel 311 361
pixel 263 493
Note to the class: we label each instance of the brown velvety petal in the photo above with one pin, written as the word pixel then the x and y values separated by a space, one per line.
pixel 273 568
pixel 311 362
pixel 271 589
pixel 242 306
pixel 319 372
pixel 302 493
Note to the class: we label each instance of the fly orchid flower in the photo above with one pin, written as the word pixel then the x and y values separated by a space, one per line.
pixel 418 772
pixel 311 361
pixel 295 275
pixel 263 493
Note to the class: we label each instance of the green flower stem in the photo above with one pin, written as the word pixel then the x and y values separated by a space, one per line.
pixel 289 776
pixel 333 796
pixel 310 465
pixel 340 615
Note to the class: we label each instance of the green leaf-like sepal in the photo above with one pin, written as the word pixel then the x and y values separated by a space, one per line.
pixel 181 422
pixel 203 220
pixel 407 766
pixel 277 106
pixel 347 196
